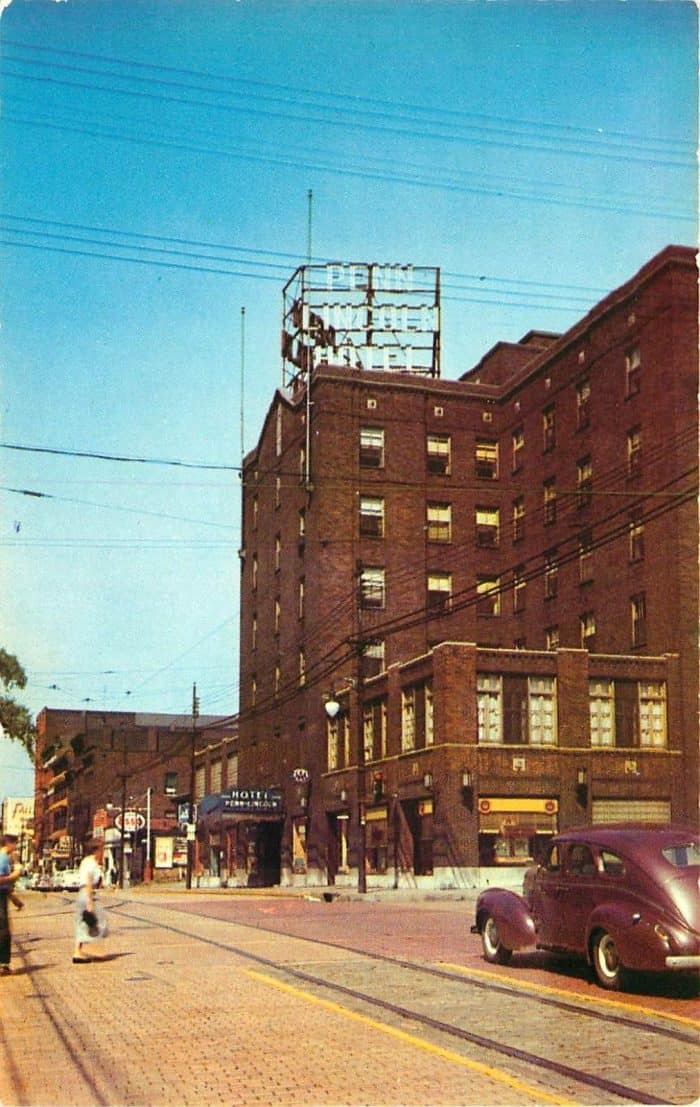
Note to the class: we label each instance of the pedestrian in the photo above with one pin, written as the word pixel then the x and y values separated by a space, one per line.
pixel 9 873
pixel 14 898
pixel 90 918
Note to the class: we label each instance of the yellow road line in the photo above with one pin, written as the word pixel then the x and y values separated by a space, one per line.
pixel 527 985
pixel 497 1075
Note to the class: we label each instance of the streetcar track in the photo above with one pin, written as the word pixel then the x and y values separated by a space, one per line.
pixel 513 1053
pixel 493 984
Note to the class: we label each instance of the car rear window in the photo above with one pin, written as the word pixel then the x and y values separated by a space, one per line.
pixel 612 864
pixel 683 856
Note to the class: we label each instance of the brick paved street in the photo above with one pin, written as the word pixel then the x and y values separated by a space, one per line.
pixel 165 1019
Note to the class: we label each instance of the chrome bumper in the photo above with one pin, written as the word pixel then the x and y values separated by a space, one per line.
pixel 690 961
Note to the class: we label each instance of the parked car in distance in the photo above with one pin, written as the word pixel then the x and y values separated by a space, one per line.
pixel 66 880
pixel 623 896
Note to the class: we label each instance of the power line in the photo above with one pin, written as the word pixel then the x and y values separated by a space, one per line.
pixel 409 175
pixel 500 131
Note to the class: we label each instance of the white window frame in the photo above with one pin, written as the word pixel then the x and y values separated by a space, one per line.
pixel 408 719
pixel 601 708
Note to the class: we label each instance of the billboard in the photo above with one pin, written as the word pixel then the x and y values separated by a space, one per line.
pixel 17 816
pixel 362 316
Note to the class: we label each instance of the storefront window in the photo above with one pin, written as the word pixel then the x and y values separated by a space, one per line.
pixel 515 831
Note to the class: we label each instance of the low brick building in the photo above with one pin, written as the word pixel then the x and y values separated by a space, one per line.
pixel 534 522
pixel 93 765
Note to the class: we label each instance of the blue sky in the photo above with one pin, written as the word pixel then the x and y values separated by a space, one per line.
pixel 157 162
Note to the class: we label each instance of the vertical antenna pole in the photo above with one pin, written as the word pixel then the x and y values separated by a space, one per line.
pixel 242 383
pixel 308 235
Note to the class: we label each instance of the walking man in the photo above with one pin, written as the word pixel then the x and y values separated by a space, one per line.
pixel 9 872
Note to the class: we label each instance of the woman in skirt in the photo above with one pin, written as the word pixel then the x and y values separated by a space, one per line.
pixel 90 878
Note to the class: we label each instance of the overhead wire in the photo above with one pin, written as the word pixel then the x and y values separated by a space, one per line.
pixel 482 133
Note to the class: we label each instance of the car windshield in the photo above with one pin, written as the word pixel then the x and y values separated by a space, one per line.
pixel 683 857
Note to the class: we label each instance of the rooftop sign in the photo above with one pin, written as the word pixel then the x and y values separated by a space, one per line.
pixel 363 316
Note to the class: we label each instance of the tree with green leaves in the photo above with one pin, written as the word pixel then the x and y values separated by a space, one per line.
pixel 15 719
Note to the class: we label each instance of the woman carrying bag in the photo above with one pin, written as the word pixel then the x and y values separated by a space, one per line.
pixel 90 918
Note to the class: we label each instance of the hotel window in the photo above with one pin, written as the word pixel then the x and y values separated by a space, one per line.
pixel 278 431
pixel 601 707
pixel 337 735
pixel 488 592
pixel 587 628
pixel 215 785
pixel 371 517
pixel 585 557
pixel 634 452
pixel 408 719
pixel 486 460
pixel 542 713
pixel 372 447
pixel 584 481
pixel 199 783
pixel 256 512
pixel 302 465
pixel 583 397
pixel 519 519
pixel 278 552
pixel 232 770
pixel 549 490
pixel 439 591
pixel 628 714
pixel 488 703
pixel 551 637
pixel 278 491
pixel 638 612
pixel 549 432
pixel 254 572
pixel 372 589
pixel 302 667
pixel 373 658
pixel 254 633
pixel 652 715
pixel 374 729
pixel 519 586
pixel 551 574
pixel 517 449
pixel 429 715
pixel 439 522
pixel 278 678
pixel 302 597
pixel 302 523
pixel 488 523
pixel 633 371
pixel 516 710
pixel 439 454
pixel 253 691
pixel 170 784
pixel 417 717
pixel 278 611
pixel 636 536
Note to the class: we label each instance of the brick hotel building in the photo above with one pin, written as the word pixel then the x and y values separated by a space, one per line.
pixel 492 583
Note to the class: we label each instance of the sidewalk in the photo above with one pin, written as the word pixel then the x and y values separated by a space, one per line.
pixel 325 892
pixel 172 1011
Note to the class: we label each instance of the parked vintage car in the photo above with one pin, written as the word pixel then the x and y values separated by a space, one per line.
pixel 623 896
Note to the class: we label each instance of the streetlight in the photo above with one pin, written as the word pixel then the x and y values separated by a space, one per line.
pixel 332 708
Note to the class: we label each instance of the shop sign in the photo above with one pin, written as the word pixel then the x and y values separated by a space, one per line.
pixel 133 820
pixel 252 801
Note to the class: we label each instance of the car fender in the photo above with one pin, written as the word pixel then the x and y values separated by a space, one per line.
pixel 512 914
pixel 638 943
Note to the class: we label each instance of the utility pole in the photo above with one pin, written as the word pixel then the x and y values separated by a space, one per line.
pixel 191 820
pixel 122 858
pixel 360 742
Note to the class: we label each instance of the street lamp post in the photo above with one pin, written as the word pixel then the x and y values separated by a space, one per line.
pixel 332 708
